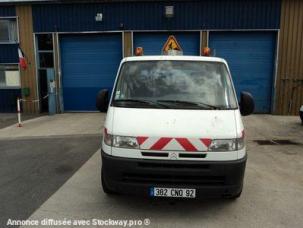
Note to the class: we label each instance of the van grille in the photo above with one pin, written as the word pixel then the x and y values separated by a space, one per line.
pixel 173 165
pixel 154 154
pixel 173 179
pixel 192 155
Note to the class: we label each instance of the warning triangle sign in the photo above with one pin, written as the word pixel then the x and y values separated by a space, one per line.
pixel 171 45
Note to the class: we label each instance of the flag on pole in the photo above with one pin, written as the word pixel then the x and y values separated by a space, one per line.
pixel 22 61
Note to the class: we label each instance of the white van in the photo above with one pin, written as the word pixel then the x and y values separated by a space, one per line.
pixel 173 129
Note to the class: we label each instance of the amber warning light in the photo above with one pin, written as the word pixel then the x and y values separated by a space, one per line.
pixel 206 51
pixel 139 51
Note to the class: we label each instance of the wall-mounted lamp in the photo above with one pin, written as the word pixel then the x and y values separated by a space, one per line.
pixel 169 11
pixel 99 17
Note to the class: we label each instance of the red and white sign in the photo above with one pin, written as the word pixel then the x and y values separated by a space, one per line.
pixel 22 61
pixel 176 144
pixel 171 45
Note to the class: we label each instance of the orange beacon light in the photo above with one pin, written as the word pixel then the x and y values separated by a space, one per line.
pixel 206 51
pixel 139 51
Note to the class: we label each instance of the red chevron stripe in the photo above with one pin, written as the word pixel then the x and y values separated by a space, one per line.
pixel 186 144
pixel 161 143
pixel 141 139
pixel 206 142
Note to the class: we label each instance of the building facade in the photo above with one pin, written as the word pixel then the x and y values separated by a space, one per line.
pixel 82 42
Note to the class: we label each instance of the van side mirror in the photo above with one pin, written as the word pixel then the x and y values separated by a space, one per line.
pixel 102 100
pixel 247 104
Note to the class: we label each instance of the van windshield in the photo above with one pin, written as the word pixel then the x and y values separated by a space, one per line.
pixel 174 84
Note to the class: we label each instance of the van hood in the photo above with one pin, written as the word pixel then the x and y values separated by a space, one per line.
pixel 174 123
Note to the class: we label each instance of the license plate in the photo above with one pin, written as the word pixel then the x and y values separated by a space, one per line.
pixel 173 192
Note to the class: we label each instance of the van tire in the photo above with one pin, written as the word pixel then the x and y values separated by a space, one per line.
pixel 105 188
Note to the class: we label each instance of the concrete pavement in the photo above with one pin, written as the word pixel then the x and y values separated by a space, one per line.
pixel 61 124
pixel 272 195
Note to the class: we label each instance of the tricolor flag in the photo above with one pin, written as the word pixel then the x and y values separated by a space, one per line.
pixel 22 61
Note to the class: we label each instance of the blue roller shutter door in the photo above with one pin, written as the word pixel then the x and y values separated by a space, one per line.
pixel 89 63
pixel 152 42
pixel 251 57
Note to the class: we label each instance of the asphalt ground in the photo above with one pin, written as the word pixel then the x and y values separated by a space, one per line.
pixel 31 170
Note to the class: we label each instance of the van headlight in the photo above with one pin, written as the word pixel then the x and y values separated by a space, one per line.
pixel 221 145
pixel 125 142
pixel 120 141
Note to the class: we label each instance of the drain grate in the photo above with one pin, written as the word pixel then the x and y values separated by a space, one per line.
pixel 276 142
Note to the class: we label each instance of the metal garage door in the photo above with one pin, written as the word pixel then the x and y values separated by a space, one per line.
pixel 251 57
pixel 89 63
pixel 153 42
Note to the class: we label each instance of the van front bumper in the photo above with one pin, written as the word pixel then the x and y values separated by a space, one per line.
pixel 209 178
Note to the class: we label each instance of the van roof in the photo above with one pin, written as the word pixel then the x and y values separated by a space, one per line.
pixel 174 57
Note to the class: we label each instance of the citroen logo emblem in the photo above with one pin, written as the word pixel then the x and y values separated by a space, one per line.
pixel 173 156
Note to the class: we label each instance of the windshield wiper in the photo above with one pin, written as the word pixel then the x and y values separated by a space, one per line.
pixel 198 104
pixel 154 103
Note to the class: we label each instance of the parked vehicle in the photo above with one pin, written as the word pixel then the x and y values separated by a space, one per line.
pixel 173 129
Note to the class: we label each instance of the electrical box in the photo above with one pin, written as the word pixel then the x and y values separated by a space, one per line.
pixel 25 91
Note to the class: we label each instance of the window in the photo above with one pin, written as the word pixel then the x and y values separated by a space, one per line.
pixel 177 84
pixel 45 51
pixel 8 30
pixel 46 60
pixel 9 77
pixel 45 42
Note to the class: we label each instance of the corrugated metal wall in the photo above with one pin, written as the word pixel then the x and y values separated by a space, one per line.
pixel 8 99
pixel 8 53
pixel 207 14
pixel 28 76
pixel 289 87
pixel 7 11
